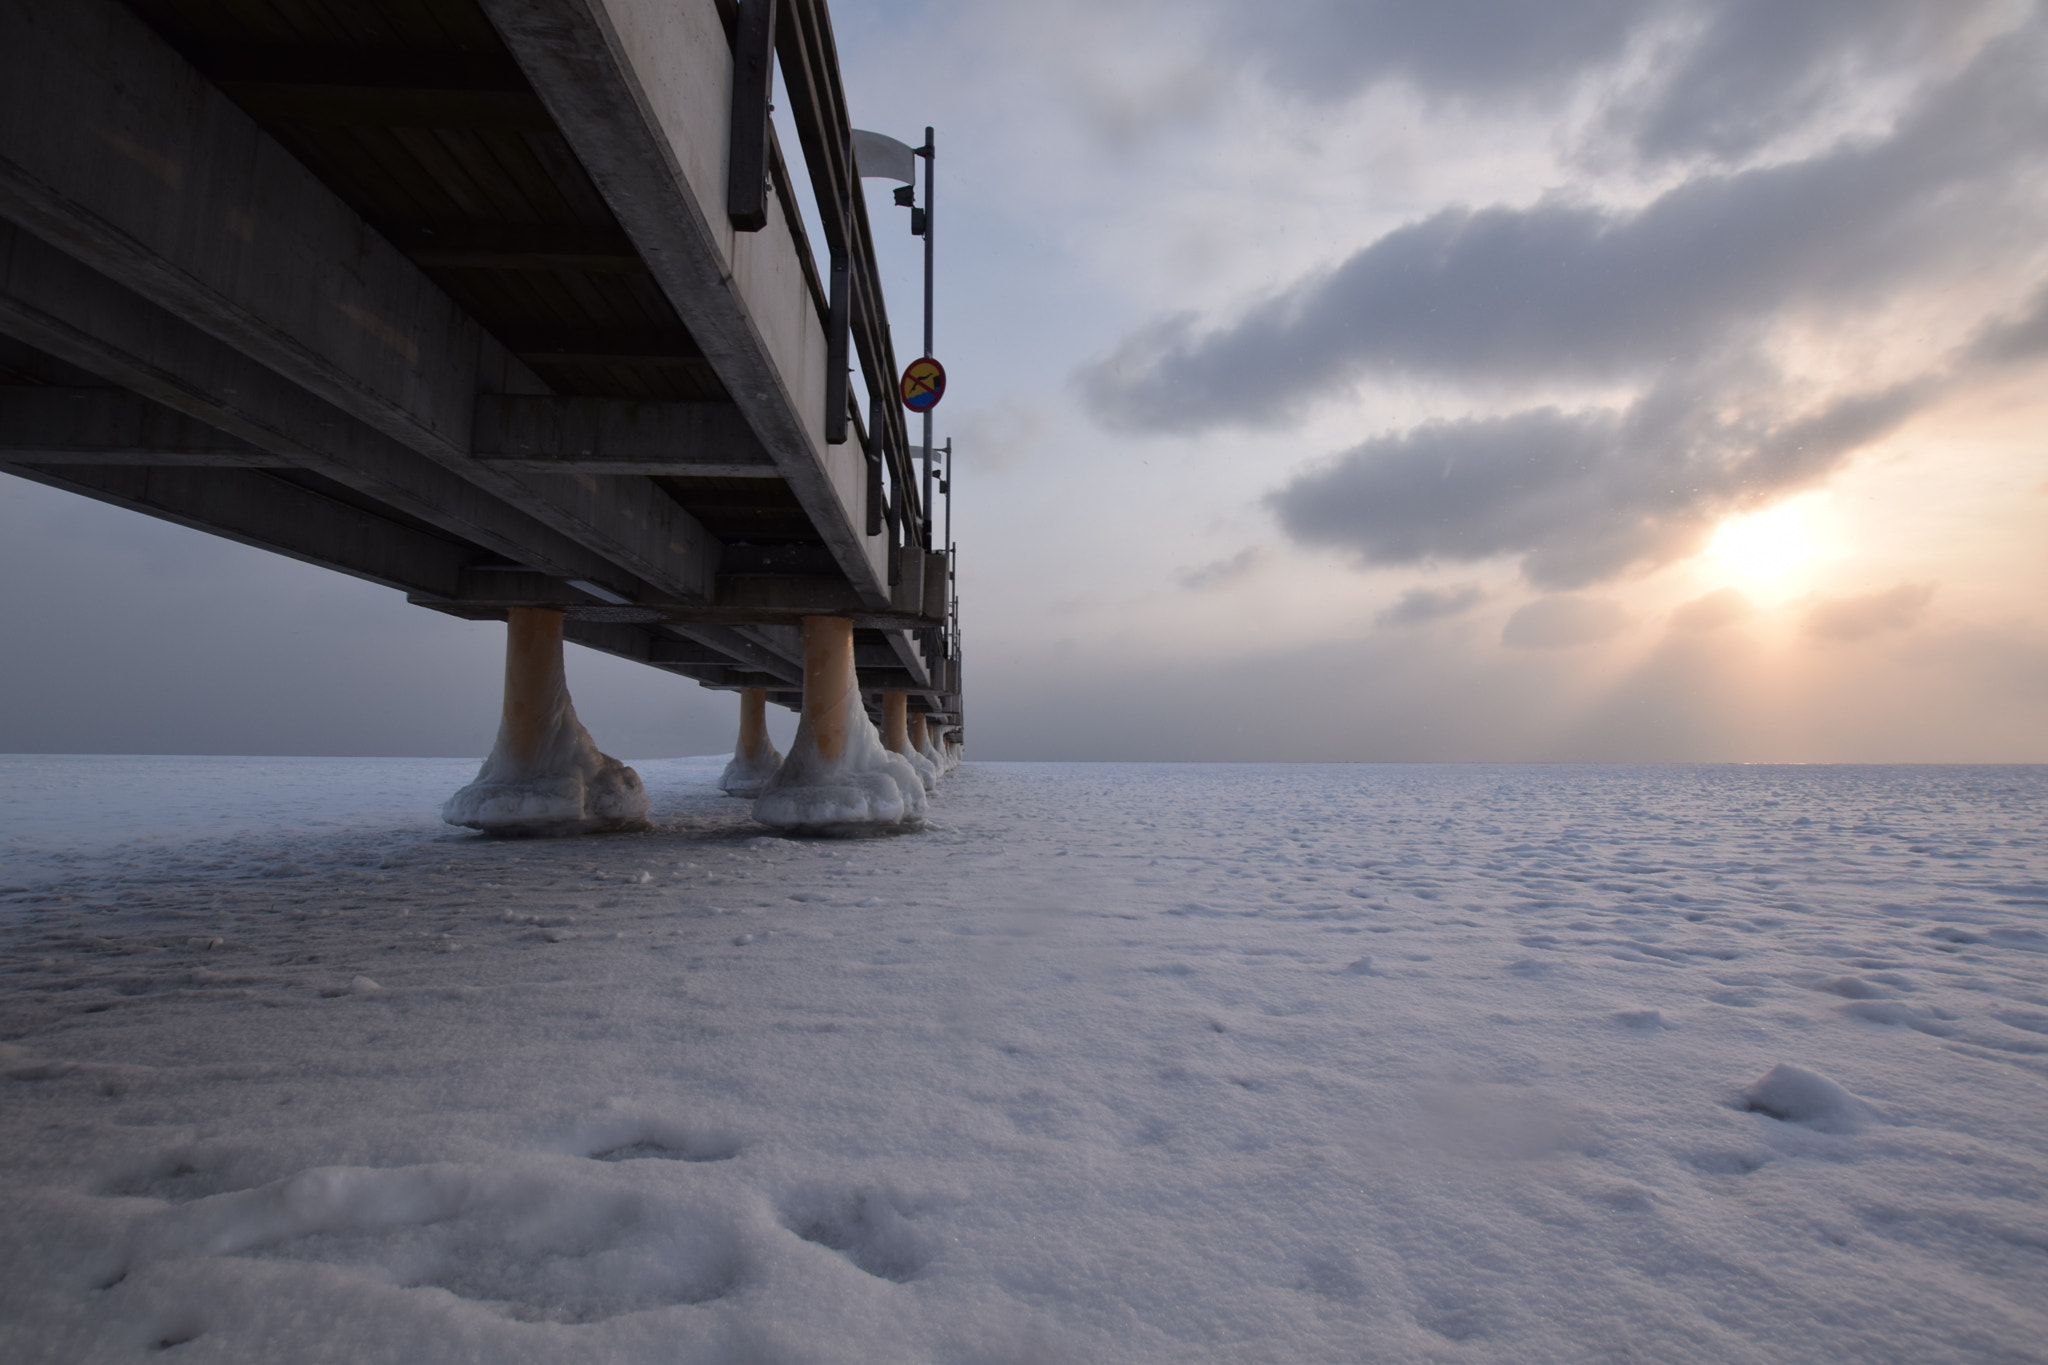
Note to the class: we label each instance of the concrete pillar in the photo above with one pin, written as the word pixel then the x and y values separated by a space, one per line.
pixel 895 729
pixel 921 739
pixel 838 778
pixel 755 757
pixel 544 775
pixel 899 736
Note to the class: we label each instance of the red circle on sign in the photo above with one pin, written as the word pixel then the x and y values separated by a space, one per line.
pixel 923 384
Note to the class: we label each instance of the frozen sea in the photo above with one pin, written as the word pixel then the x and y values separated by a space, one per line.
pixel 1157 1063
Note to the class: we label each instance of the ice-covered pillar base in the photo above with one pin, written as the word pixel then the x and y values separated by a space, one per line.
pixel 544 775
pixel 837 777
pixel 755 758
pixel 899 736
pixel 921 742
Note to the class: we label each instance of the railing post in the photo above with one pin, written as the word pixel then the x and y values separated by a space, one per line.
pixel 838 328
pixel 753 85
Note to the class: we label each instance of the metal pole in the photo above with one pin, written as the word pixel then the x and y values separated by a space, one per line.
pixel 947 548
pixel 931 158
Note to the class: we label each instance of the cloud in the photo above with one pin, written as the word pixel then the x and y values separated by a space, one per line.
pixel 1723 77
pixel 1564 623
pixel 1223 571
pixel 1563 291
pixel 1581 496
pixel 1859 618
pixel 1718 609
pixel 1420 606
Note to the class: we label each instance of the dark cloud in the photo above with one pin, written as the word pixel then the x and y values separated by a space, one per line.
pixel 1724 77
pixel 1580 496
pixel 1562 291
pixel 1877 613
pixel 1564 623
pixel 2016 339
pixel 1749 71
pixel 1485 49
pixel 1420 606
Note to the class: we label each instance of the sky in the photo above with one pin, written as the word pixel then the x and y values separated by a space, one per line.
pixel 1606 380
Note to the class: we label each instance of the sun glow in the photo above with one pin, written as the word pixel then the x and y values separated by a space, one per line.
pixel 1772 553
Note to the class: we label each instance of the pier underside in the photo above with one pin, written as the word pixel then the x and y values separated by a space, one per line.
pixel 447 295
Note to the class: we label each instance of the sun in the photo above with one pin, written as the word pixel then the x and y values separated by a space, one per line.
pixel 1772 553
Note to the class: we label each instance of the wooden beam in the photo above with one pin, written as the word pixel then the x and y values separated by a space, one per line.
pixel 59 426
pixel 617 436
pixel 270 513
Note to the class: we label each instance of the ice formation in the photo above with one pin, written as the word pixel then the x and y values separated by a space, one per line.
pixel 927 771
pixel 932 754
pixel 545 774
pixel 755 758
pixel 838 778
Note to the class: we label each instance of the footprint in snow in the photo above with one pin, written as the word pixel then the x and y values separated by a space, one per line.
pixel 631 1136
pixel 872 1228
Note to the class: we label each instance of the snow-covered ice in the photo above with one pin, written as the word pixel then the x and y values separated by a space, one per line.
pixel 1111 1063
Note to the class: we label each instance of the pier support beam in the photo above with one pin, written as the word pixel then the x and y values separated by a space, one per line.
pixel 544 775
pixel 755 758
pixel 837 778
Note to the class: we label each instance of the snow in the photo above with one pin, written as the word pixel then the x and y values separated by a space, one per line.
pixel 1109 1063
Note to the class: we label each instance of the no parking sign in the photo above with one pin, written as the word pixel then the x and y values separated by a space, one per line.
pixel 923 384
